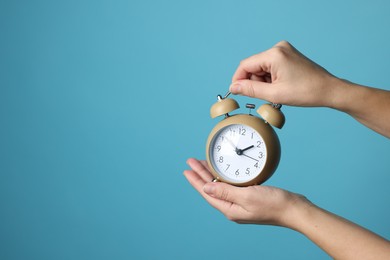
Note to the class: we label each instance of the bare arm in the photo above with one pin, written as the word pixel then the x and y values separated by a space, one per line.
pixel 283 75
pixel 370 106
pixel 339 237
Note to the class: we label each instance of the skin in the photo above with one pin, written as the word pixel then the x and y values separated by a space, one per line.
pixel 265 205
pixel 283 75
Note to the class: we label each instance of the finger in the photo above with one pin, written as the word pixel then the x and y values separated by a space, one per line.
pixel 257 64
pixel 201 169
pixel 206 165
pixel 225 192
pixel 228 199
pixel 261 63
pixel 284 44
pixel 198 183
pixel 257 89
pixel 255 77
pixel 195 180
pixel 263 77
pixel 201 177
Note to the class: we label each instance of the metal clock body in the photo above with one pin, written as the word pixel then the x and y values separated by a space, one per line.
pixel 243 149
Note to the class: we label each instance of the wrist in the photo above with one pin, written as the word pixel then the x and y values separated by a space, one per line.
pixel 297 210
pixel 343 94
pixel 336 87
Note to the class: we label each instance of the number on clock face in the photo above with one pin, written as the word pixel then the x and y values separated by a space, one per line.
pixel 238 153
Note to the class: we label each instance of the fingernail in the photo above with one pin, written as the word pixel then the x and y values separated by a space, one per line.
pixel 209 188
pixel 235 87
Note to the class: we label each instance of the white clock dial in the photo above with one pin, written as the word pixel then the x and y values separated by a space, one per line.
pixel 238 153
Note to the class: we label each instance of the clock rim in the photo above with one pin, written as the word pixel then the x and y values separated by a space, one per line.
pixel 271 141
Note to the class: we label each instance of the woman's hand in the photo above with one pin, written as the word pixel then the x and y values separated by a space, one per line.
pixel 340 238
pixel 253 204
pixel 283 75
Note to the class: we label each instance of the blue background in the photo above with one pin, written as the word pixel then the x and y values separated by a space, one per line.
pixel 102 102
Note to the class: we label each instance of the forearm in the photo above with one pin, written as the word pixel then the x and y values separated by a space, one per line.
pixel 370 106
pixel 339 237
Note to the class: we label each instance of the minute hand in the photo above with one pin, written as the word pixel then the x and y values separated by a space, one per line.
pixel 250 157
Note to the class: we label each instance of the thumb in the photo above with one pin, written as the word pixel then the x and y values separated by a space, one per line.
pixel 223 191
pixel 251 88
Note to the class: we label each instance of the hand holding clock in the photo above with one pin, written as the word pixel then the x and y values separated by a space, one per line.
pixel 266 205
pixel 283 75
pixel 254 204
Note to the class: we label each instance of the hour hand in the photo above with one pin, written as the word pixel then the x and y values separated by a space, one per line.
pixel 241 151
pixel 249 147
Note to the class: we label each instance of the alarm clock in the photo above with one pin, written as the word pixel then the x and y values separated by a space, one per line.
pixel 243 149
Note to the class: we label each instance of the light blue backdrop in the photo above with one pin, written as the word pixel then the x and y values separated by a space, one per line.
pixel 102 102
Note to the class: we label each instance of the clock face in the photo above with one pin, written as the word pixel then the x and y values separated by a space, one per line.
pixel 238 153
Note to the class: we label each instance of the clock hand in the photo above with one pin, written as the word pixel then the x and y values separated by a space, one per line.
pixel 249 147
pixel 231 143
pixel 250 157
pixel 241 151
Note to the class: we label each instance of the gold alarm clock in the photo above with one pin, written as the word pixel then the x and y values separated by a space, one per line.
pixel 244 149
